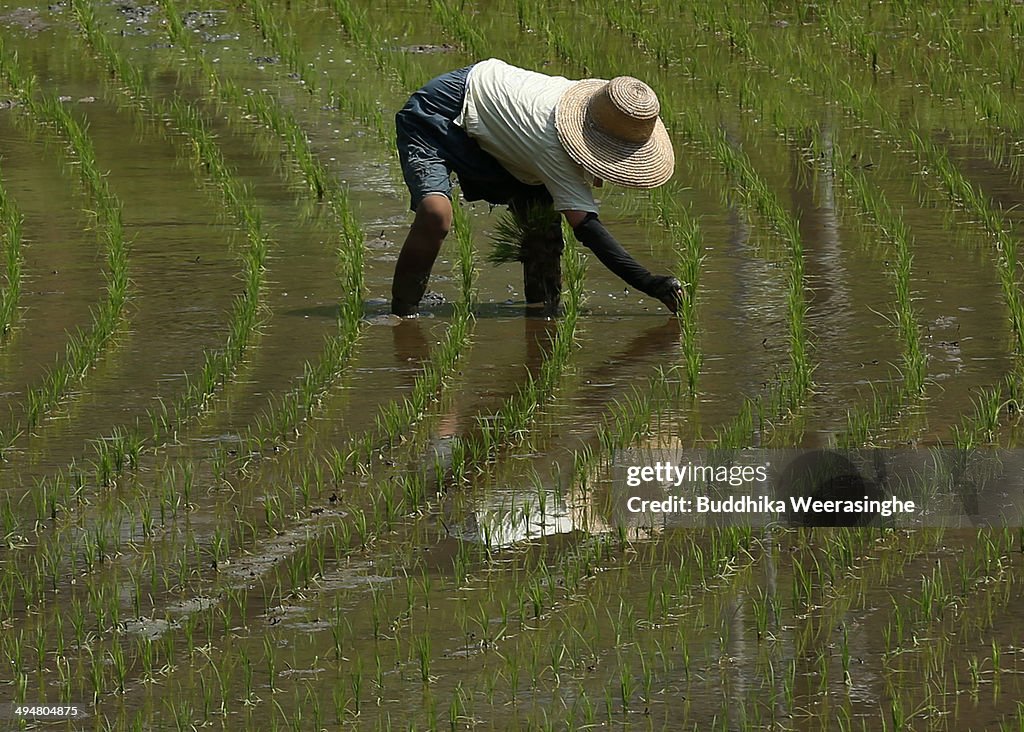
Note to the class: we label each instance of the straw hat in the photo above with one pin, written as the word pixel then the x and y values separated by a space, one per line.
pixel 612 129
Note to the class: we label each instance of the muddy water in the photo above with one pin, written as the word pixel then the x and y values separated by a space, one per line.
pixel 265 591
pixel 48 202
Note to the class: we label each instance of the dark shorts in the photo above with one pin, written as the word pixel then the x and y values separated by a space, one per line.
pixel 431 147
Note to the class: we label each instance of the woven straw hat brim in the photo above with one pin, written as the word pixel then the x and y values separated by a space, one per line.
pixel 630 164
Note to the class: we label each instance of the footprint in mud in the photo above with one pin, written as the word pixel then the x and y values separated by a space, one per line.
pixel 380 242
pixel 388 320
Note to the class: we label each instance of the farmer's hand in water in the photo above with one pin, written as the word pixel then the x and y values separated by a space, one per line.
pixel 669 290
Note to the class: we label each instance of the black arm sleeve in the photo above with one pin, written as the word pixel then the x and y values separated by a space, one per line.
pixel 592 234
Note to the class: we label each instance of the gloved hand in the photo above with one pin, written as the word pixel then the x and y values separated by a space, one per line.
pixel 595 237
pixel 669 290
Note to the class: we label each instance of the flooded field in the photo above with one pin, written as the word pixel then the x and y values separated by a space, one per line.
pixel 236 493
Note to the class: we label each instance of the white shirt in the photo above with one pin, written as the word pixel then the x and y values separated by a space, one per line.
pixel 510 112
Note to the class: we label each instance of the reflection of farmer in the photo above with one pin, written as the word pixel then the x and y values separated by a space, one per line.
pixel 520 138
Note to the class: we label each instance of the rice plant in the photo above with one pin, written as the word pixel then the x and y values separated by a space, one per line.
pixel 85 346
pixel 10 235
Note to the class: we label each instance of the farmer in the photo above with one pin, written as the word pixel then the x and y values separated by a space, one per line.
pixel 521 138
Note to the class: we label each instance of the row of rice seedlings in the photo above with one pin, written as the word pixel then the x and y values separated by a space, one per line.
pixel 510 421
pixel 419 395
pixel 218 365
pixel 360 105
pixel 791 389
pixel 818 73
pixel 283 40
pixel 397 416
pixel 689 246
pixel 121 450
pixel 861 422
pixel 542 611
pixel 10 294
pixel 1000 21
pixel 456 22
pixel 815 73
pixel 83 347
pixel 951 77
pixel 262 106
pixel 298 579
pixel 952 608
pixel 366 35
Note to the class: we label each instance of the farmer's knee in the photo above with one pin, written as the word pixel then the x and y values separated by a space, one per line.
pixel 434 215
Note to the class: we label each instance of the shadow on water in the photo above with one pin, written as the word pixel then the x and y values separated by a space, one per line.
pixel 377 311
pixel 553 503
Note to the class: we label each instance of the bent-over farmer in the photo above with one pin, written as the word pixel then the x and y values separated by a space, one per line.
pixel 521 138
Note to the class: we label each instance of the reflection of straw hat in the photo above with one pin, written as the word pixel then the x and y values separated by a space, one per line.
pixel 612 129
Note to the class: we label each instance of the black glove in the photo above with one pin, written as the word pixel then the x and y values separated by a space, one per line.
pixel 670 291
pixel 592 234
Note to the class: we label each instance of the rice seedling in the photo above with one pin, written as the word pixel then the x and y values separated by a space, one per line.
pixel 667 588
pixel 793 388
pixel 423 655
pixel 84 347
pixel 128 447
pixel 10 236
pixel 425 387
pixel 960 192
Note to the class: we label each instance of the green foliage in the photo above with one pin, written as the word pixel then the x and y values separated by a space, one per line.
pixel 511 231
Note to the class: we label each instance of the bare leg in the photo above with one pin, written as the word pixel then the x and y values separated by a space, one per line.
pixel 429 228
